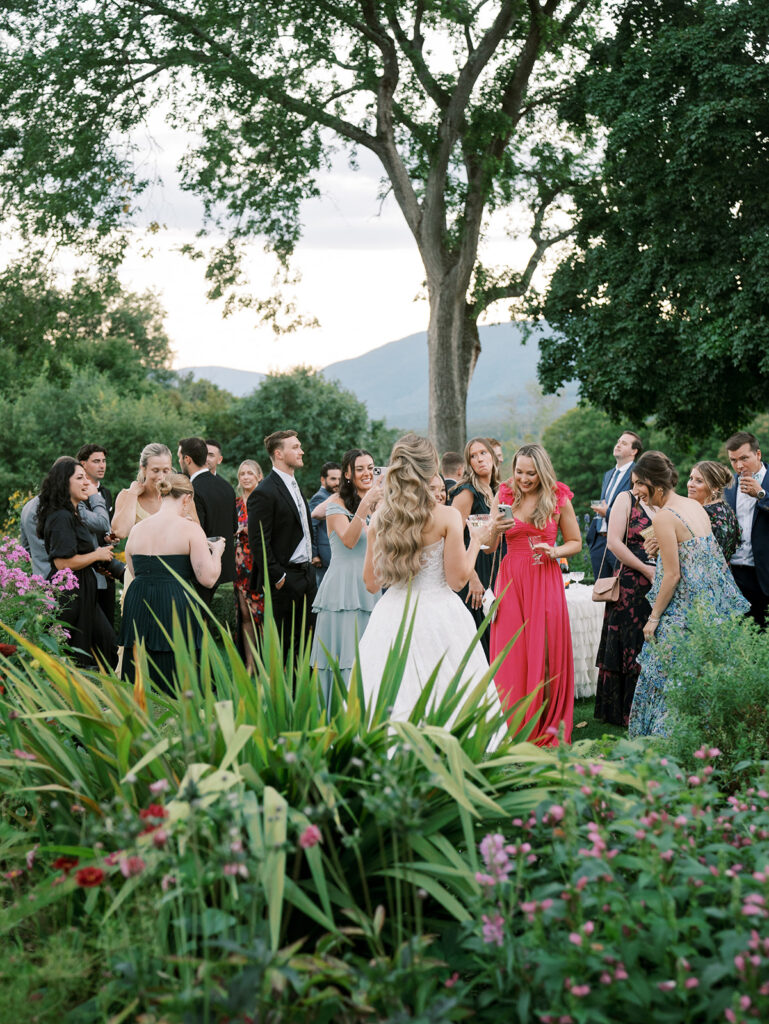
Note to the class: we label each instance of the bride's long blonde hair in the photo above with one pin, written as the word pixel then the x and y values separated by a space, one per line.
pixel 405 510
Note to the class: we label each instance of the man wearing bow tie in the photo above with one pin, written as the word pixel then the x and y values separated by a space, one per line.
pixel 615 481
pixel 280 537
pixel 747 496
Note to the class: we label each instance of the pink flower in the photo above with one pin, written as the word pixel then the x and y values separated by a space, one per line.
pixel 483 879
pixel 235 869
pixel 667 855
pixel 23 755
pixel 605 978
pixel 714 752
pixel 730 1015
pixel 451 982
pixel 31 856
pixel 580 990
pixel 493 929
pixel 167 881
pixel 588 927
pixel 556 812
pixel 160 786
pixel 576 938
pixel 131 866
pixel 310 837
pixel 744 1002
pixel 694 780
pixel 666 986
pixel 159 838
pixel 691 983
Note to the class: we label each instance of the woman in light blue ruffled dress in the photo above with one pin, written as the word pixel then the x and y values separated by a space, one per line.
pixel 342 604
pixel 691 573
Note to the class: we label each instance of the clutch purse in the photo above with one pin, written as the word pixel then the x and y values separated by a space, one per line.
pixel 606 588
pixel 487 601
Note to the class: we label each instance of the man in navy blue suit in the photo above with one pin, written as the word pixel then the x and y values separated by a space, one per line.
pixel 747 496
pixel 627 449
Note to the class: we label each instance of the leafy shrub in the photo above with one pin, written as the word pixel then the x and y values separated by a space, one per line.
pixel 722 695
pixel 236 831
pixel 612 906
pixel 27 601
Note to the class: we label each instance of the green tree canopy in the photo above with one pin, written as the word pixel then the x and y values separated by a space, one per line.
pixel 664 306
pixel 328 419
pixel 55 329
pixel 458 101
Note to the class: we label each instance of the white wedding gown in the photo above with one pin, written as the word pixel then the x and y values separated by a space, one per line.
pixel 443 631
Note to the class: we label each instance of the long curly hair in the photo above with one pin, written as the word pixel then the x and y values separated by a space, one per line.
pixel 546 502
pixel 469 475
pixel 405 510
pixel 347 492
pixel 54 494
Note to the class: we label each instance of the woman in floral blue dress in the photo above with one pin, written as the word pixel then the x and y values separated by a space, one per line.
pixel 691 572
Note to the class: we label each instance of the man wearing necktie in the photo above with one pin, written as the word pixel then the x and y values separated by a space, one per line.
pixel 747 496
pixel 615 481
pixel 280 538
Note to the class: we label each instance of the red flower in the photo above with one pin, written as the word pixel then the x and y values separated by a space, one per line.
pixel 65 864
pixel 89 877
pixel 153 811
pixel 7 650
pixel 310 837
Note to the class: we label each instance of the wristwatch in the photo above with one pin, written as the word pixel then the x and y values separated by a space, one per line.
pixel 761 494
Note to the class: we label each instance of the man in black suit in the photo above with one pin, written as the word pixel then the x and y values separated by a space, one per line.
pixel 214 504
pixel 627 449
pixel 748 497
pixel 93 459
pixel 280 538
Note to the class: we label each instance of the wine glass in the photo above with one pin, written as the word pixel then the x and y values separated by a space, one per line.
pixel 477 522
pixel 536 556
pixel 576 577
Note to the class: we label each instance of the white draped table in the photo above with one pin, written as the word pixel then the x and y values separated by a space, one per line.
pixel 586 619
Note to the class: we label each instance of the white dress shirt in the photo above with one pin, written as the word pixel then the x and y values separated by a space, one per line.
pixel 303 551
pixel 746 504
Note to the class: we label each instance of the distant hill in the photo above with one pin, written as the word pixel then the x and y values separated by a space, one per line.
pixel 392 380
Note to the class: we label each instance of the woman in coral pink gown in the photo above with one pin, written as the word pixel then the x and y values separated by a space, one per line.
pixel 530 579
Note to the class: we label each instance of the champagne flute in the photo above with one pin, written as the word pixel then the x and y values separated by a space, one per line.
pixel 536 556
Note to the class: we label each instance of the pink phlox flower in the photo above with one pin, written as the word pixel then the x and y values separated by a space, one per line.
pixel 483 879
pixel 694 780
pixel 529 906
pixel 24 755
pixel 451 982
pixel 556 812
pixel 588 927
pixel 691 983
pixel 234 869
pixel 131 866
pixel 575 938
pixel 666 986
pixel 580 990
pixel 159 786
pixel 667 855
pixel 606 978
pixel 310 837
pixel 493 929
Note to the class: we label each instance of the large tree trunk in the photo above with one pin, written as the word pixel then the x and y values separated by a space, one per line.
pixel 453 349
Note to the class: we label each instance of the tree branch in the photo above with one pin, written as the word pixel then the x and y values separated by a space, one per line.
pixel 412 50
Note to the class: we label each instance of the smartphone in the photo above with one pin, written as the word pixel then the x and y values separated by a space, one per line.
pixel 380 471
pixel 506 510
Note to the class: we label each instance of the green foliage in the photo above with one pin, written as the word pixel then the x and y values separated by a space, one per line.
pixel 55 331
pixel 662 307
pixel 278 851
pixel 53 418
pixel 719 696
pixel 616 905
pixel 329 420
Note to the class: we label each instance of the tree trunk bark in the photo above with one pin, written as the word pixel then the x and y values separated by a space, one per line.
pixel 453 348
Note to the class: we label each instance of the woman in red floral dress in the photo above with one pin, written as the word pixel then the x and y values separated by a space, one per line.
pixel 250 606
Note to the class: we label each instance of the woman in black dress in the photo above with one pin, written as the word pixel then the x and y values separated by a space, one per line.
pixel 162 551
pixel 473 495
pixel 622 637
pixel 70 545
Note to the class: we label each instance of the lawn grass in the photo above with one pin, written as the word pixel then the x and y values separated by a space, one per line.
pixel 592 729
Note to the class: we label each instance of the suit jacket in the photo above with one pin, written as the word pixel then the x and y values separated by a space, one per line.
pixel 321 546
pixel 759 535
pixel 272 513
pixel 625 484
pixel 215 505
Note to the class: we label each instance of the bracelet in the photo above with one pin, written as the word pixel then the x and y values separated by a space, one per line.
pixel 652 619
pixel 362 518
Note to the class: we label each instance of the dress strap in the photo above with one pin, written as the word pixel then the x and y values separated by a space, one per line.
pixel 678 516
pixel 336 510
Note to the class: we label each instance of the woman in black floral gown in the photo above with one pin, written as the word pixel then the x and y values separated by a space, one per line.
pixel 622 636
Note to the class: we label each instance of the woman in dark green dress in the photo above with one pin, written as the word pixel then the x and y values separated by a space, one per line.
pixel 162 548
pixel 473 495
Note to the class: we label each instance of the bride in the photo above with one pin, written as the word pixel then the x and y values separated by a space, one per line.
pixel 416 551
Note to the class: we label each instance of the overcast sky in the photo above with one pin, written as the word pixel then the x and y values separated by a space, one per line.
pixel 361 273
